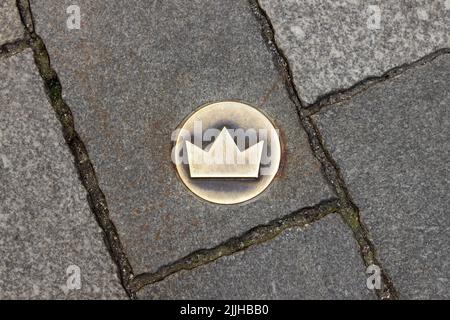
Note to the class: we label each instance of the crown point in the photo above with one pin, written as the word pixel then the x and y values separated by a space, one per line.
pixel 224 159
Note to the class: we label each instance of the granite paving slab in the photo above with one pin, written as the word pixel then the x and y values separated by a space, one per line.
pixel 11 28
pixel 50 245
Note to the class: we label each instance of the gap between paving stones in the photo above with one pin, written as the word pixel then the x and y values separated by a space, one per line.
pixel 96 198
pixel 348 210
pixel 11 48
pixel 337 97
pixel 254 236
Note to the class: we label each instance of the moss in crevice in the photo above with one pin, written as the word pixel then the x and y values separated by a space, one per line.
pixel 12 48
pixel 250 238
pixel 348 210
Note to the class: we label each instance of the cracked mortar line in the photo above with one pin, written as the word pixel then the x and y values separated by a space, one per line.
pixel 96 198
pixel 336 97
pixel 348 210
pixel 12 48
pixel 257 235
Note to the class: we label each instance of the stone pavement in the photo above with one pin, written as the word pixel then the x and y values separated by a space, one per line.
pixel 47 230
pixel 391 144
pixel 93 208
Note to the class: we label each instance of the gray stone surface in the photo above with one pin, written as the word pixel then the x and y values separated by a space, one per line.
pixel 317 262
pixel 331 44
pixel 45 222
pixel 10 25
pixel 392 145
pixel 131 74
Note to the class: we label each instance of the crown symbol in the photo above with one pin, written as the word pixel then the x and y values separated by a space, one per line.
pixel 223 159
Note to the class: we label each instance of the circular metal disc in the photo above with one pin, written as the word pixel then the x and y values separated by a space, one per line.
pixel 227 183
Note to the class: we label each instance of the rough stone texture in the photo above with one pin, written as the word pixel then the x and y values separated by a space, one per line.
pixel 45 221
pixel 318 262
pixel 331 44
pixel 10 25
pixel 131 74
pixel 392 145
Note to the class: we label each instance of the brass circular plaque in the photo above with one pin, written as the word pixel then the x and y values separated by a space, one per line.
pixel 226 152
